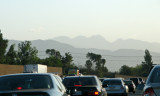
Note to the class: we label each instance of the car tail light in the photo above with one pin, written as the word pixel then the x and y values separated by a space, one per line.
pixel 19 88
pixel 93 93
pixel 149 92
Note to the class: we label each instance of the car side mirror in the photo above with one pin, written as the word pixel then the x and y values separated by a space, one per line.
pixel 104 85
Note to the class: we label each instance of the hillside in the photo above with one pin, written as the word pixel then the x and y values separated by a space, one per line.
pixel 114 59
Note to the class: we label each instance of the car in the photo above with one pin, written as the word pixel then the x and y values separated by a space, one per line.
pixel 152 86
pixel 139 88
pixel 115 86
pixel 141 80
pixel 131 85
pixel 84 86
pixel 135 80
pixel 31 84
pixel 101 79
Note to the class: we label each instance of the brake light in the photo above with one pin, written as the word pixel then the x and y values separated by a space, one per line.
pixel 19 88
pixel 77 85
pixel 93 93
pixel 149 92
pixel 96 93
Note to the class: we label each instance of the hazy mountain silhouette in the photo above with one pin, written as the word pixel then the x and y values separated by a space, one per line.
pixel 100 42
pixel 114 59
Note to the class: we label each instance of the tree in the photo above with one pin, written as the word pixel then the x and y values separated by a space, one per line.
pixel 53 62
pixel 125 70
pixel 67 63
pixel 53 52
pixel 99 63
pixel 148 58
pixel 88 66
pixel 147 64
pixel 54 59
pixel 3 46
pixel 50 52
pixel 26 53
pixel 11 56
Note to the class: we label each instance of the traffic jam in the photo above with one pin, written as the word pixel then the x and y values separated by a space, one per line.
pixel 35 81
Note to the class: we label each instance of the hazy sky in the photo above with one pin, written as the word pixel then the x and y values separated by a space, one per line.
pixel 113 19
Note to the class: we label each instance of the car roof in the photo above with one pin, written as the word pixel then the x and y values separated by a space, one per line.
pixel 80 76
pixel 127 80
pixel 113 79
pixel 153 66
pixel 20 74
pixel 158 65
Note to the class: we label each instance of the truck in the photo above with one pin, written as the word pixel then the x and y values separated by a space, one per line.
pixel 35 68
pixel 73 72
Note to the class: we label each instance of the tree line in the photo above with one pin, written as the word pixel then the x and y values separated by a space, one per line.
pixel 26 54
pixel 95 63
pixel 141 69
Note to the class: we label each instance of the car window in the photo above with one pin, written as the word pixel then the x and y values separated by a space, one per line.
pixel 84 81
pixel 62 86
pixel 128 82
pixel 112 82
pixel 58 84
pixel 25 82
pixel 155 75
pixel 135 80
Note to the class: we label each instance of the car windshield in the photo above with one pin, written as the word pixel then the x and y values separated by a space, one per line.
pixel 112 82
pixel 83 81
pixel 21 82
pixel 155 76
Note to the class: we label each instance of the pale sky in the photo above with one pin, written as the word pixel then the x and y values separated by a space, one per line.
pixel 112 19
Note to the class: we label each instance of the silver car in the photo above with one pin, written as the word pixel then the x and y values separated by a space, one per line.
pixel 152 86
pixel 31 84
pixel 115 86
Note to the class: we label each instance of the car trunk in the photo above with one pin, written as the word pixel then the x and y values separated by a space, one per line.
pixel 34 92
pixel 81 90
pixel 114 87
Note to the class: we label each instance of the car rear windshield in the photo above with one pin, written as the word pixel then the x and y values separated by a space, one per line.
pixel 21 82
pixel 155 76
pixel 112 82
pixel 128 82
pixel 83 81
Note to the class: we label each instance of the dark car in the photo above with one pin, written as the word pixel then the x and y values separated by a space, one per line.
pixel 152 86
pixel 31 84
pixel 131 85
pixel 141 80
pixel 101 79
pixel 136 81
pixel 84 86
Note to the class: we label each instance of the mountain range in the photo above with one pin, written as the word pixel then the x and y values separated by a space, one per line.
pixel 124 52
pixel 100 42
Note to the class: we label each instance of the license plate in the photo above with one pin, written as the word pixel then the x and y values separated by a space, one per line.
pixel 78 93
